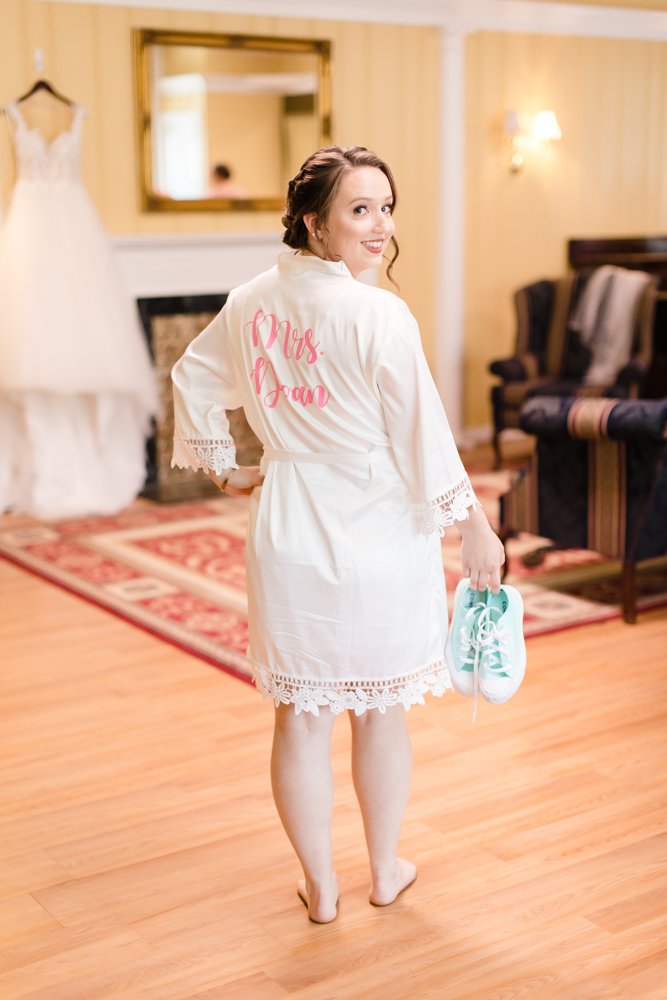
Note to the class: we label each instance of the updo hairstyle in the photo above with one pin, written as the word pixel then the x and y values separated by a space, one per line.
pixel 315 186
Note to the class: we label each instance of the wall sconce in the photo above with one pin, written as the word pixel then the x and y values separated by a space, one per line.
pixel 524 133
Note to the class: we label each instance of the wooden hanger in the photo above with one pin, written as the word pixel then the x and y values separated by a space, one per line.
pixel 45 85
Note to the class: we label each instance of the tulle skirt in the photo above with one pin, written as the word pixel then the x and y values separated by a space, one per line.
pixel 76 385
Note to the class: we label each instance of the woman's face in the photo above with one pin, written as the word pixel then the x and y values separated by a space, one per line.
pixel 359 224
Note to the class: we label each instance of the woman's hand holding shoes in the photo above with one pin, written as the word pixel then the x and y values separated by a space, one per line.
pixel 482 552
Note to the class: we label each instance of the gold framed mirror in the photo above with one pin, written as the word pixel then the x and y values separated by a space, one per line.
pixel 225 120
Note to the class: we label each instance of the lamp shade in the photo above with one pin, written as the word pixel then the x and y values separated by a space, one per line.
pixel 545 126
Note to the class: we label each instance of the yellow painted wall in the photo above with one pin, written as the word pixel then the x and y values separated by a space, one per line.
pixel 607 176
pixel 298 137
pixel 234 121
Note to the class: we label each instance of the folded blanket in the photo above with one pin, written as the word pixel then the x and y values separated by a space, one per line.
pixel 605 318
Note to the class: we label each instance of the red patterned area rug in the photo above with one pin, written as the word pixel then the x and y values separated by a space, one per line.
pixel 178 571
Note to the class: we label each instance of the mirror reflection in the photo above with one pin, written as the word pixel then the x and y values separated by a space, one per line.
pixel 226 120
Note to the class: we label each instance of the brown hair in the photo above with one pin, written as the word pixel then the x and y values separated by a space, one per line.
pixel 315 186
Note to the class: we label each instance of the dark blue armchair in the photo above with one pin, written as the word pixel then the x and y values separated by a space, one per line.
pixel 597 480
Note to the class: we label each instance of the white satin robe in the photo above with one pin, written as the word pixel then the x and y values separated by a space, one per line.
pixel 346 590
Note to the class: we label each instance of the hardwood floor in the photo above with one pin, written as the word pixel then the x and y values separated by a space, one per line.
pixel 142 858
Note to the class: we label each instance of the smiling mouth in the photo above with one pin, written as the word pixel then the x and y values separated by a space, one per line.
pixel 375 246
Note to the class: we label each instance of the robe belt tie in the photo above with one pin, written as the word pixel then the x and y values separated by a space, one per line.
pixel 325 457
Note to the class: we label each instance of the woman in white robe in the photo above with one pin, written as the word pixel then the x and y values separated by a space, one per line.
pixel 359 478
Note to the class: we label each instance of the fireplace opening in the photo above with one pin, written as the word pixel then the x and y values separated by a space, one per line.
pixel 170 323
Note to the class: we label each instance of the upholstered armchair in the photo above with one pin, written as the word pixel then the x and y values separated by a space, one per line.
pixel 550 358
pixel 597 480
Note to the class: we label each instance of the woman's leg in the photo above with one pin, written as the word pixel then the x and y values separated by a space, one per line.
pixel 302 784
pixel 382 769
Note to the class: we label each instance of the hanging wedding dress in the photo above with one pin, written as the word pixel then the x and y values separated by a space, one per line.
pixel 76 385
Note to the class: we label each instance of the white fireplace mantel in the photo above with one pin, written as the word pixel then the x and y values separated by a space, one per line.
pixel 193 264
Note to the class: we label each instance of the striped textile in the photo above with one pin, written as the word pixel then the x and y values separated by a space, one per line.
pixel 607 492
pixel 588 417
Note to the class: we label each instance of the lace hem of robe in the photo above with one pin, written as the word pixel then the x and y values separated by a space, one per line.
pixel 213 455
pixel 441 513
pixel 358 696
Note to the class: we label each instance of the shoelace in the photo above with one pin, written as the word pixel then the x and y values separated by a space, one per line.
pixel 487 638
pixel 493 639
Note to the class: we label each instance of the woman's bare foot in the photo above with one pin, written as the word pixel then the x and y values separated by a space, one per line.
pixel 385 889
pixel 322 906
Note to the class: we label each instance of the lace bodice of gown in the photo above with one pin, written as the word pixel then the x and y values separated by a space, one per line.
pixel 57 161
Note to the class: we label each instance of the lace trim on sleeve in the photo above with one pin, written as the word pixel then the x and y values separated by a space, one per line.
pixel 441 513
pixel 213 456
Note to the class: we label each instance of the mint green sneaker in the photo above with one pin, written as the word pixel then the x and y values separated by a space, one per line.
pixel 462 655
pixel 501 645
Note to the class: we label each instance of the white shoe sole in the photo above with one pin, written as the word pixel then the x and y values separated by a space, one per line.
pixel 497 690
pixel 462 680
